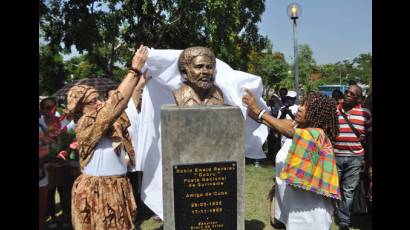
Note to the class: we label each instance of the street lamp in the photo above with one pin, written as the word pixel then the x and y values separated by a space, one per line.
pixel 294 11
pixel 340 71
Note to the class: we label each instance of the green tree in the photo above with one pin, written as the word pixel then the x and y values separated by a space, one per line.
pixel 363 68
pixel 329 73
pixel 288 82
pixel 270 66
pixel 306 66
pixel 344 71
pixel 107 30
pixel 306 63
pixel 51 70
pixel 80 67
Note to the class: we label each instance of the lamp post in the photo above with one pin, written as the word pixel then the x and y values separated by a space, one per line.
pixel 294 11
pixel 340 72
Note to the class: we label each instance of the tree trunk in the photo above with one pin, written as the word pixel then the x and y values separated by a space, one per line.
pixel 110 73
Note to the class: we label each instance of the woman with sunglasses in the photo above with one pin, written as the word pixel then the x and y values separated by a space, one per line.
pixel 50 130
pixel 47 120
pixel 102 196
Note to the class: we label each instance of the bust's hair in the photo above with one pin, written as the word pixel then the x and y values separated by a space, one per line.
pixel 186 57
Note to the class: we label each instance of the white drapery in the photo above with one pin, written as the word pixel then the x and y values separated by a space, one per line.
pixel 162 65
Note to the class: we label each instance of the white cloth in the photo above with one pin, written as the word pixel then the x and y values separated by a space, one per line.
pixel 105 162
pixel 162 65
pixel 133 117
pixel 71 126
pixel 299 209
pixel 42 122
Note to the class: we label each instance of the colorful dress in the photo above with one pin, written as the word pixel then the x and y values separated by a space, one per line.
pixel 306 181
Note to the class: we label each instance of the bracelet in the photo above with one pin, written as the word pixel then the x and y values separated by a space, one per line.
pixel 260 115
pixel 134 71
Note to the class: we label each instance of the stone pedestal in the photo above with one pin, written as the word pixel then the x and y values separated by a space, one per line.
pixel 203 162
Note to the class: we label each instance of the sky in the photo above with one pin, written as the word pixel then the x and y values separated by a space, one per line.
pixel 334 29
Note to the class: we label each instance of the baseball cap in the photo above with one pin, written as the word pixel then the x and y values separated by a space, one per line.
pixel 291 94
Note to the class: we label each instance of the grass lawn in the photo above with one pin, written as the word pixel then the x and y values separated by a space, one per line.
pixel 258 182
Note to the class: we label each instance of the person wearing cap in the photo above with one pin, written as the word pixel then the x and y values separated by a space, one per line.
pixel 289 108
pixel 102 195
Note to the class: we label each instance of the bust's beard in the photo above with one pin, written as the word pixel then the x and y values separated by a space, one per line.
pixel 203 85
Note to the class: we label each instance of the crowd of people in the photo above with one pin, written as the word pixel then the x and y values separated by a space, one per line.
pixel 320 147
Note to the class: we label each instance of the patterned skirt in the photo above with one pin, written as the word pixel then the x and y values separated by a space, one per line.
pixel 103 203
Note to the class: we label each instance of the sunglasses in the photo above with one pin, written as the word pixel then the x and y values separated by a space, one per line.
pixel 92 102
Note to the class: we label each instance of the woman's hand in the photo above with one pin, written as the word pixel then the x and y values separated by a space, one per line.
pixel 139 58
pixel 143 80
pixel 284 127
pixel 249 100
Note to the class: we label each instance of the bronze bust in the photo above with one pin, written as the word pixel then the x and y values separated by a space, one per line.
pixel 197 66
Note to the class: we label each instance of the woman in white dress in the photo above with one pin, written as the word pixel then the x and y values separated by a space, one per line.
pixel 306 174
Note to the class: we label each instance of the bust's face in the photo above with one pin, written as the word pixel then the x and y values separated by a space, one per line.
pixel 200 72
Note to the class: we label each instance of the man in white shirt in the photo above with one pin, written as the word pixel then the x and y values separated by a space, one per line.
pixel 288 110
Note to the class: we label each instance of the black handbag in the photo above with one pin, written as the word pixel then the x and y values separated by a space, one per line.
pixel 360 199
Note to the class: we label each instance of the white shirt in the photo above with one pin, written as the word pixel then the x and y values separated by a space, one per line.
pixel 71 126
pixel 105 162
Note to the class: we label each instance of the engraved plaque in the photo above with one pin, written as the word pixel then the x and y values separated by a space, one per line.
pixel 205 196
